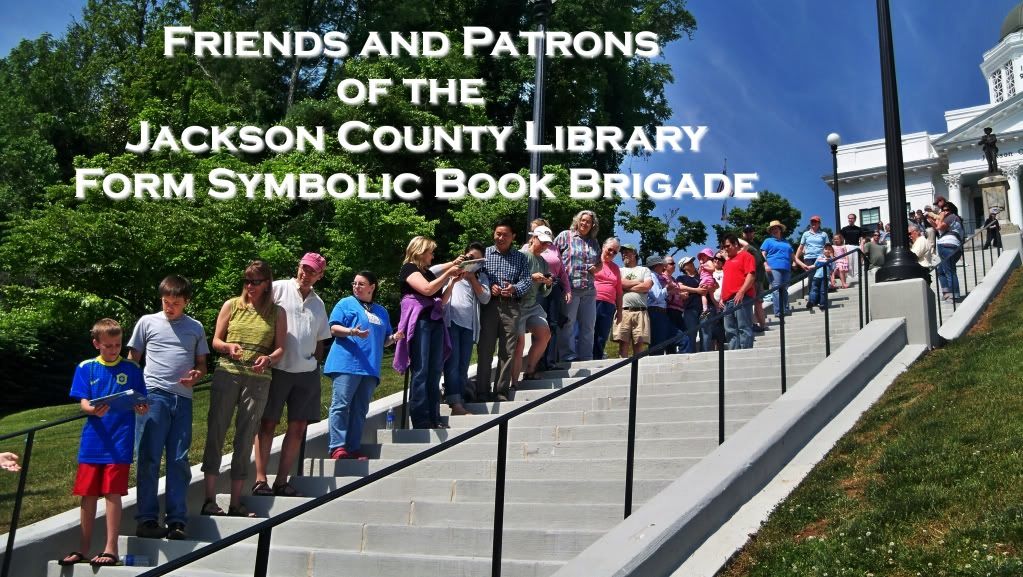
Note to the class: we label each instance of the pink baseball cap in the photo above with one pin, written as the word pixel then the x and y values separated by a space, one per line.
pixel 314 261
pixel 707 252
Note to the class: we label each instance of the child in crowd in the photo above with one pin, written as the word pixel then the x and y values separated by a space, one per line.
pixel 819 283
pixel 174 347
pixel 707 270
pixel 105 453
pixel 840 267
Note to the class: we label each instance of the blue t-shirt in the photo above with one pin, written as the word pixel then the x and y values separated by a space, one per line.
pixel 111 438
pixel 354 355
pixel 823 267
pixel 779 253
pixel 813 243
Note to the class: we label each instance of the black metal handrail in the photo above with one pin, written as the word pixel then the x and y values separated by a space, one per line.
pixel 26 461
pixel 961 252
pixel 264 528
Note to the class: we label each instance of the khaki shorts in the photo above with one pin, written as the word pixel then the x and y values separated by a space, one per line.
pixel 531 318
pixel 634 328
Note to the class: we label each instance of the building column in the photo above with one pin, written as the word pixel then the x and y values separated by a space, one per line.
pixel 1015 209
pixel 955 194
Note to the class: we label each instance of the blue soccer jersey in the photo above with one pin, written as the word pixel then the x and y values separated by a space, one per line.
pixel 110 438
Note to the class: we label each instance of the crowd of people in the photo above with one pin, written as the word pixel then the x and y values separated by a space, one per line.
pixel 565 291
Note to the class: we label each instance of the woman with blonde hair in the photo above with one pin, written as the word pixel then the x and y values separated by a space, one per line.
pixel 426 344
pixel 249 335
pixel 580 257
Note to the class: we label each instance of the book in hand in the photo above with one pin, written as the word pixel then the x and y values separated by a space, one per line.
pixel 121 401
pixel 472 265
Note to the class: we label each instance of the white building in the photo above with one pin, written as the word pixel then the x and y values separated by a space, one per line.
pixel 948 164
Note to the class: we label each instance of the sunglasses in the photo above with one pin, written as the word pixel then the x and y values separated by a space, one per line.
pixel 254 281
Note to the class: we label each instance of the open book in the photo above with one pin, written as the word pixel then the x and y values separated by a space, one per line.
pixel 121 401
pixel 472 265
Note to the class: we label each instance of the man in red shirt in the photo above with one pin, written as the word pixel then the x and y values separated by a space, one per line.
pixel 740 272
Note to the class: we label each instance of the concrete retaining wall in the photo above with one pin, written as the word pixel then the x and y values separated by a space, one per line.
pixel 657 537
pixel 977 301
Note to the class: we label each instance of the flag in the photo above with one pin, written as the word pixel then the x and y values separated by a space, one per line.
pixel 720 187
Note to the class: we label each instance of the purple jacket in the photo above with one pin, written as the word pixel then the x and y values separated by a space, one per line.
pixel 412 305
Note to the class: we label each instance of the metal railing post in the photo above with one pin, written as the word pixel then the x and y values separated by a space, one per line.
pixel 404 401
pixel 974 251
pixel 502 460
pixel 721 393
pixel 781 345
pixel 262 553
pixel 26 458
pixel 630 457
pixel 827 323
pixel 937 283
pixel 859 285
pixel 866 296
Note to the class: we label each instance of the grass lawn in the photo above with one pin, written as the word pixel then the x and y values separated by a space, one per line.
pixel 928 482
pixel 54 455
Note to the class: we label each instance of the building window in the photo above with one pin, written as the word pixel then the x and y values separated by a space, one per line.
pixel 870 217
pixel 1010 82
pixel 996 85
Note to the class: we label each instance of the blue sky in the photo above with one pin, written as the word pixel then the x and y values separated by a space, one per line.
pixel 771 80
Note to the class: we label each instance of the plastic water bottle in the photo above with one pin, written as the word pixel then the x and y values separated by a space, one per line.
pixel 390 420
pixel 137 561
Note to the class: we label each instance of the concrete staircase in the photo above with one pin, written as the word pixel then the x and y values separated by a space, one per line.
pixel 565 471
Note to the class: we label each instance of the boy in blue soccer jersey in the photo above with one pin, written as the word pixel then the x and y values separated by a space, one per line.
pixel 105 453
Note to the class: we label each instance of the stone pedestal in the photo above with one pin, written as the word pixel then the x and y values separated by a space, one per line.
pixel 994 189
pixel 910 299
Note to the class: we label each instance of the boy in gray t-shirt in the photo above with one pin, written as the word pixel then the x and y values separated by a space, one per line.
pixel 174 347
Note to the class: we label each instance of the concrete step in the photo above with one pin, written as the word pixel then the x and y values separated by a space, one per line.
pixel 322 472
pixel 540 417
pixel 666 387
pixel 478 491
pixel 613 448
pixel 707 427
pixel 427 513
pixel 526 544
pixel 645 401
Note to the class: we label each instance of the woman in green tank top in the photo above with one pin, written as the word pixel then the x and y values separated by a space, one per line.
pixel 249 336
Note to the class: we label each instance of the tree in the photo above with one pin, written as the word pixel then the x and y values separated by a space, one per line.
pixel 761 211
pixel 667 235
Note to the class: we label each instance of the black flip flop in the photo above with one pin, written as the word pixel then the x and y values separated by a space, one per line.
pixel 76 557
pixel 114 561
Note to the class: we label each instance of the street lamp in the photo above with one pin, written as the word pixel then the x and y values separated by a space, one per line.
pixel 834 140
pixel 901 264
pixel 541 11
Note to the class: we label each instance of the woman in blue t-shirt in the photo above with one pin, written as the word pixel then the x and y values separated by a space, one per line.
pixel 778 254
pixel 361 329
pixel 811 244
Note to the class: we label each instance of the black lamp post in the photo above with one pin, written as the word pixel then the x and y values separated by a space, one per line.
pixel 901 264
pixel 833 141
pixel 541 11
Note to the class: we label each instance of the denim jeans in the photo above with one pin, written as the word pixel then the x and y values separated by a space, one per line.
pixel 780 284
pixel 739 325
pixel 582 309
pixel 348 408
pixel 456 368
pixel 167 425
pixel 427 352
pixel 661 328
pixel 690 320
pixel 602 327
pixel 553 304
pixel 818 291
pixel 947 269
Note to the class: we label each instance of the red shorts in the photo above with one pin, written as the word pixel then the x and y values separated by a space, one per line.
pixel 97 480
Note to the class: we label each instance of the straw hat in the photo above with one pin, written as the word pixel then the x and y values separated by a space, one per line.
pixel 775 223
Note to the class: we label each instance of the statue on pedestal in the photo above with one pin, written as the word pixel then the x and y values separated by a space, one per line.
pixel 990 150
